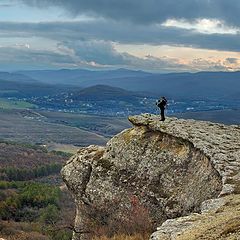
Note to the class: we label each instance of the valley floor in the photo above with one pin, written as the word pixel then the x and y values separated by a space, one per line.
pixel 219 116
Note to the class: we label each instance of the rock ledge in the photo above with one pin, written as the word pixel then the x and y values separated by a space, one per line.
pixel 172 168
pixel 219 142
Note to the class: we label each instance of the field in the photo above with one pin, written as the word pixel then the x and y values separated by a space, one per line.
pixel 67 148
pixel 103 125
pixel 25 126
pixel 223 116
pixel 62 131
pixel 15 104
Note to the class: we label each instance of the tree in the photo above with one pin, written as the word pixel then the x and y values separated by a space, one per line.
pixel 49 215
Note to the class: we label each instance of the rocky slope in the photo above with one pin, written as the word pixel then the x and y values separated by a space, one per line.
pixel 219 220
pixel 170 168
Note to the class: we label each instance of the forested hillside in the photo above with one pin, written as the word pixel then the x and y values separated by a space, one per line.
pixel 34 203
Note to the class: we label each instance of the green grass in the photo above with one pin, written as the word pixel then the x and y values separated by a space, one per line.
pixel 15 104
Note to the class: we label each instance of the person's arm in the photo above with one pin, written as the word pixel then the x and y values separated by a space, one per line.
pixel 165 105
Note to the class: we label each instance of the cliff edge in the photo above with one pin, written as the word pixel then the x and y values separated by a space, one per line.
pixel 168 169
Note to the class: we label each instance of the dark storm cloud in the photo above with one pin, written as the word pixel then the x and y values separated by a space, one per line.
pixel 122 33
pixel 149 11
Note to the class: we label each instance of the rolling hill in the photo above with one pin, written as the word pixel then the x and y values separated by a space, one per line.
pixel 104 92
pixel 21 86
pixel 98 100
pixel 201 85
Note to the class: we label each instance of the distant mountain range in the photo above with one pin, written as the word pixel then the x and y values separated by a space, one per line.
pixel 16 77
pixel 80 77
pixel 22 86
pixel 202 85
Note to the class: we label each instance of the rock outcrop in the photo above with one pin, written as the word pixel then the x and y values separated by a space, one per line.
pixel 219 220
pixel 170 167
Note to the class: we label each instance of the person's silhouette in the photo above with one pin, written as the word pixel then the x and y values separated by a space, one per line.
pixel 161 103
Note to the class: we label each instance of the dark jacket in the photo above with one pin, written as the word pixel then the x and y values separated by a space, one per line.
pixel 161 103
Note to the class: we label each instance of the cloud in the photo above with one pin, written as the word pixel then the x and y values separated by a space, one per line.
pixel 102 54
pixel 232 64
pixel 127 33
pixel 5 5
pixel 161 64
pixel 85 54
pixel 150 11
pixel 24 56
pixel 94 27
pixel 200 64
pixel 82 54
pixel 22 45
pixel 97 51
pixel 232 60
pixel 205 26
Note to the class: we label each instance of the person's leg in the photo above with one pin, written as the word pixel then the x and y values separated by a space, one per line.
pixel 162 114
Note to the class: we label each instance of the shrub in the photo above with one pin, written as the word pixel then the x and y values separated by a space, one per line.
pixel 49 215
pixel 39 195
pixel 124 237
pixel 28 236
pixel 24 204
pixel 19 174
pixel 109 221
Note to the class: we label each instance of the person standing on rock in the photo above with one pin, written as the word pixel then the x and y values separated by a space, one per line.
pixel 162 103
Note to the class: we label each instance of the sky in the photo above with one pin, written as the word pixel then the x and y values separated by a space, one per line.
pixel 151 35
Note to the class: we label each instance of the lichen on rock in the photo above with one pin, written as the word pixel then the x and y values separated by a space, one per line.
pixel 171 167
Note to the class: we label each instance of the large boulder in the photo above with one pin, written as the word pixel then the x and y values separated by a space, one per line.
pixel 164 169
